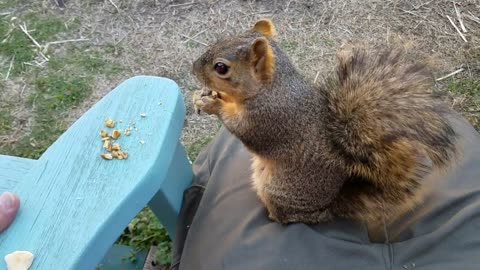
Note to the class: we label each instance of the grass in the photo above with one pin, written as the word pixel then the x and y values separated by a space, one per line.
pixel 63 83
pixel 194 149
pixel 469 91
pixel 49 88
pixel 59 92
pixel 16 44
pixel 467 88
pixel 46 27
pixel 5 121
pixel 7 4
pixel 144 231
pixel 290 46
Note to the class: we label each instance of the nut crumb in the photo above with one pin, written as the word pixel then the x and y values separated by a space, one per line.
pixel 143 115
pixel 116 133
pixel 19 260
pixel 107 145
pixel 109 123
pixel 122 155
pixel 106 156
pixel 103 133
pixel 116 147
pixel 142 142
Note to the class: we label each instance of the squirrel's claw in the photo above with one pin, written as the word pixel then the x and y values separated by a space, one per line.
pixel 205 92
pixel 197 95
pixel 210 104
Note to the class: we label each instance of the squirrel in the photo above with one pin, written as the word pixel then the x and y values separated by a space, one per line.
pixel 356 147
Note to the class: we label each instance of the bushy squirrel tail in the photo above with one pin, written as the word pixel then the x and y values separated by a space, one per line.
pixel 383 118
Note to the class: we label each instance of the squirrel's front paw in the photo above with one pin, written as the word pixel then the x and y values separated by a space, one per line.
pixel 209 104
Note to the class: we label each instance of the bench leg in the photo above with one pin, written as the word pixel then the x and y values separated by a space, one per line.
pixel 167 202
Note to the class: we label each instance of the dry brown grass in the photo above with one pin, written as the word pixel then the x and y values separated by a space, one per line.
pixel 162 38
pixel 21 114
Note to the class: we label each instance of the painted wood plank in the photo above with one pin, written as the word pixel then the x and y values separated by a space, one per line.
pixel 168 200
pixel 74 204
pixel 119 258
pixel 12 169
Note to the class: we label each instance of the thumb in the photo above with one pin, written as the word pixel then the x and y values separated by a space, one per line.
pixel 9 204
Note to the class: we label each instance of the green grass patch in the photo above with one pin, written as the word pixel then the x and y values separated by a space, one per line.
pixel 114 49
pixel 194 149
pixel 96 63
pixel 44 132
pixel 6 120
pixel 144 231
pixel 53 96
pixel 192 44
pixel 290 46
pixel 329 42
pixel 46 27
pixel 7 4
pixel 64 82
pixel 16 45
pixel 89 61
pixel 469 88
pixel 59 92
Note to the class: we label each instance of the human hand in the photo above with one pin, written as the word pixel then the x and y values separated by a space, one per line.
pixel 9 204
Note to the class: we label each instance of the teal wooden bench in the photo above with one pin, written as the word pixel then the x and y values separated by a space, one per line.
pixel 74 204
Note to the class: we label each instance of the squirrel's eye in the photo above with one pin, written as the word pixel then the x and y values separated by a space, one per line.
pixel 221 68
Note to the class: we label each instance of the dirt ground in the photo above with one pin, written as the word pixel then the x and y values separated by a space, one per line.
pixel 163 38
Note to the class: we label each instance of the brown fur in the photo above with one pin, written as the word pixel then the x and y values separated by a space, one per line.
pixel 356 147
pixel 263 59
pixel 264 27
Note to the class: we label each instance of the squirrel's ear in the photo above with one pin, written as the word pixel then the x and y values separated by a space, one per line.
pixel 262 59
pixel 264 27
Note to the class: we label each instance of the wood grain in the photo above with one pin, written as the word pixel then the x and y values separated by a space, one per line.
pixel 12 169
